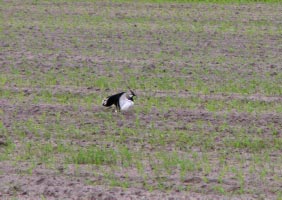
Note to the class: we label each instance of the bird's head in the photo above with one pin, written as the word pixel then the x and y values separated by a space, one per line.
pixel 131 94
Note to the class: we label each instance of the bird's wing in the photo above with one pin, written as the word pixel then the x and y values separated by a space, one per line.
pixel 110 100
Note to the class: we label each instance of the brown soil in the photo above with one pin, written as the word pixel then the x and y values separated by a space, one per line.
pixel 32 49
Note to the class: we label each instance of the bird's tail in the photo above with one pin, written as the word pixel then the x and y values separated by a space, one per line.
pixel 105 102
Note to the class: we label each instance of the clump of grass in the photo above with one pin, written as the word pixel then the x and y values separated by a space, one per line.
pixel 6 149
pixel 245 142
pixel 94 155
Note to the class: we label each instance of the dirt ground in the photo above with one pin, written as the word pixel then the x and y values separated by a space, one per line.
pixel 232 42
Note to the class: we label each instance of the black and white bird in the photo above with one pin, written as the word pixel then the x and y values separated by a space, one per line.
pixel 123 101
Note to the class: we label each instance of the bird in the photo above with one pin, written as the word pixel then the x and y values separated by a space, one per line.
pixel 122 101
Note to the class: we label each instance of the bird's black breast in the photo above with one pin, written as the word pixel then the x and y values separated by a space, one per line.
pixel 114 99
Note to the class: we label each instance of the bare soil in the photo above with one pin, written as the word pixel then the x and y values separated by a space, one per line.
pixel 33 49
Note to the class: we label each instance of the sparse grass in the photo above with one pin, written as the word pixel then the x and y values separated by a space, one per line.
pixel 194 127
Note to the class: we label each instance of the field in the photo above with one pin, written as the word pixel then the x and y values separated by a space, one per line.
pixel 207 122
